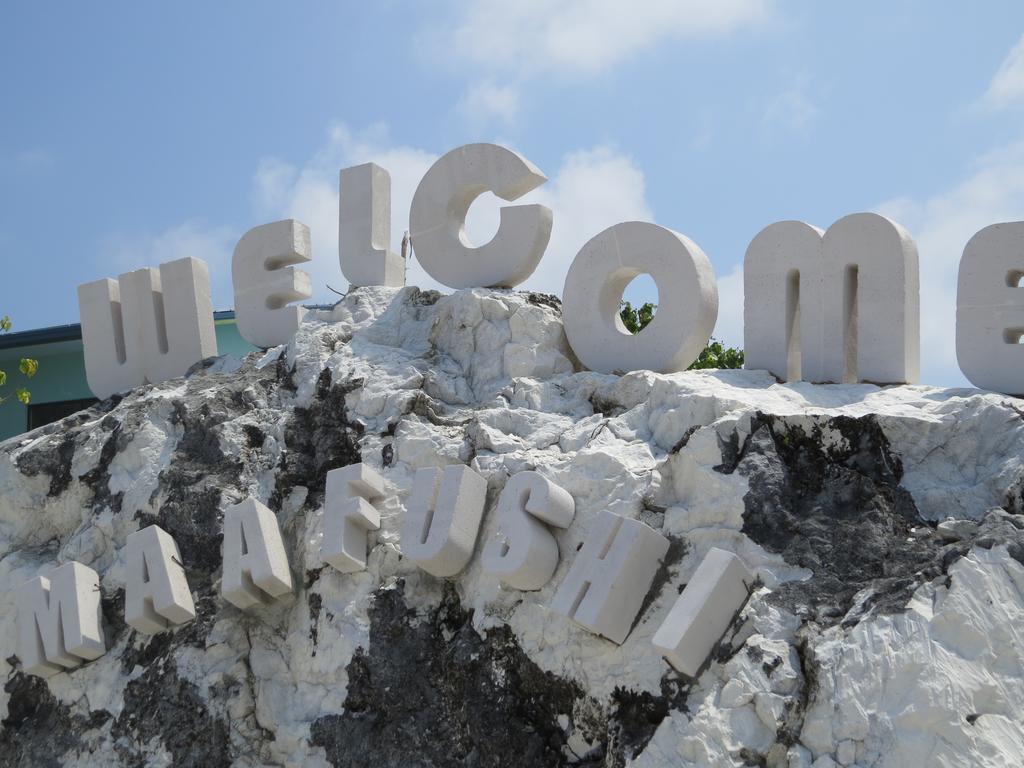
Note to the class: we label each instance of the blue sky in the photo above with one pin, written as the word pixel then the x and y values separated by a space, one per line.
pixel 135 133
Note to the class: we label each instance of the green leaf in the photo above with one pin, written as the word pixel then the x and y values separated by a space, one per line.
pixel 5 324
pixel 638 318
pixel 23 396
pixel 715 355
pixel 3 378
pixel 28 367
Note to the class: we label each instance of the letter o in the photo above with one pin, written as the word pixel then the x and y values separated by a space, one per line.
pixel 688 305
pixel 437 220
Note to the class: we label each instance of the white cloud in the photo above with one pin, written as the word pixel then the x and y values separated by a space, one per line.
pixel 310 194
pixel 792 109
pixel 591 190
pixel 487 100
pixel 1007 87
pixel 35 161
pixel 213 244
pixel 729 328
pixel 992 192
pixel 582 36
pixel 576 38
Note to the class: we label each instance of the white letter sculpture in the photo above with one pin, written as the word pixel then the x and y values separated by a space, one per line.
pixel 600 273
pixel 349 514
pixel 147 326
pixel 990 309
pixel 610 576
pixel 524 553
pixel 438 218
pixel 364 228
pixel 156 593
pixel 60 623
pixel 265 282
pixel 443 518
pixel 714 595
pixel 838 306
pixel 255 561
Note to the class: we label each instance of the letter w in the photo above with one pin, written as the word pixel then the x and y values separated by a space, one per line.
pixel 147 326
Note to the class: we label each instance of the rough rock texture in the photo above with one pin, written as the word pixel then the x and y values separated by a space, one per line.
pixel 884 633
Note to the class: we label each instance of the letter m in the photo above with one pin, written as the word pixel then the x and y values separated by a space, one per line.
pixel 59 620
pixel 835 306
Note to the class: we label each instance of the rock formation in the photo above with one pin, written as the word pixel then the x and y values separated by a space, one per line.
pixel 886 527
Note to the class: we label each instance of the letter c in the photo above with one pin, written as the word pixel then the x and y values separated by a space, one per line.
pixel 437 221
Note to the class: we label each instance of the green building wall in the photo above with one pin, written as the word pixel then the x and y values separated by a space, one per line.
pixel 61 374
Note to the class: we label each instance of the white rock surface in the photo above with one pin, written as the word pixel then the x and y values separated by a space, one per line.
pixel 873 640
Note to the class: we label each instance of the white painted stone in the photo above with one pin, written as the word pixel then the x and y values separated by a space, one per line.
pixel 701 615
pixel 687 307
pixel 956 530
pixel 438 218
pixel 838 306
pixel 156 592
pixel 349 514
pixel 735 693
pixel 783 310
pixel 255 560
pixel 60 623
pixel 443 517
pixel 610 576
pixel 364 228
pixel 265 282
pixel 524 553
pixel 147 326
pixel 990 309
pixel 846 752
pixel 898 684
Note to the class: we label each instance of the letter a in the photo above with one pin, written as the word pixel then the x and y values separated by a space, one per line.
pixel 255 561
pixel 156 593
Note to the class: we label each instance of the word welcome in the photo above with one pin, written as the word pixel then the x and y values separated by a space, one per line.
pixel 60 622
pixel 840 305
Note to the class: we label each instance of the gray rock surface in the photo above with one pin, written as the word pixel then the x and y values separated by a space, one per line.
pixel 883 524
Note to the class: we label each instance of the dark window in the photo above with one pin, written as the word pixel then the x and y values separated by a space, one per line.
pixel 41 414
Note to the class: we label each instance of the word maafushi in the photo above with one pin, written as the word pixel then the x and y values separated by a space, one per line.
pixel 60 620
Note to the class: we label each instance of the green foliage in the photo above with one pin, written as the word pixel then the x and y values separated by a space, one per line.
pixel 636 319
pixel 27 367
pixel 715 354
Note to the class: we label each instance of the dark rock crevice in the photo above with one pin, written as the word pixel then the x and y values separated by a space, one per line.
pixel 189 492
pixel 430 691
pixel 837 509
pixel 38 730
pixel 318 439
pixel 53 459
pixel 161 704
